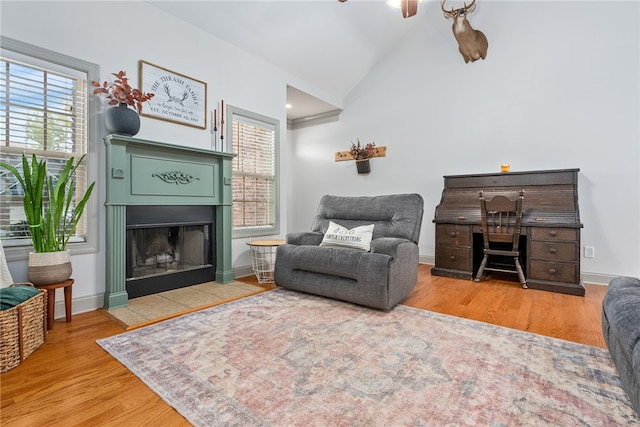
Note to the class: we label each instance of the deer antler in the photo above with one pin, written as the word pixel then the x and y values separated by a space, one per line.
pixel 452 9
pixel 442 2
pixel 466 8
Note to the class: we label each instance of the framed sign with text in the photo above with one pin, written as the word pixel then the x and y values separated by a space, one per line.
pixel 178 98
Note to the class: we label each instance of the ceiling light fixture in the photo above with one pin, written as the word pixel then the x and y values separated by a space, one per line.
pixel 409 7
pixel 288 106
pixel 397 3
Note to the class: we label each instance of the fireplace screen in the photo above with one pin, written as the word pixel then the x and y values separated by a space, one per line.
pixel 164 250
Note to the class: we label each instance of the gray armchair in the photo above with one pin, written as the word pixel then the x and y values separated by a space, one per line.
pixel 379 278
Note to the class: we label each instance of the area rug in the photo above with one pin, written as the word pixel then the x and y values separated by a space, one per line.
pixel 282 358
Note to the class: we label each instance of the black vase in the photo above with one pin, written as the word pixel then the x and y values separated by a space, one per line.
pixel 122 120
pixel 363 166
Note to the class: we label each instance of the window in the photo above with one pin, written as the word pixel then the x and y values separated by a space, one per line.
pixel 44 110
pixel 254 141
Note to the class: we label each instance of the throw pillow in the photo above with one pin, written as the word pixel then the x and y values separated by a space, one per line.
pixel 356 238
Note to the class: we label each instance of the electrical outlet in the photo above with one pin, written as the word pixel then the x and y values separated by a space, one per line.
pixel 589 252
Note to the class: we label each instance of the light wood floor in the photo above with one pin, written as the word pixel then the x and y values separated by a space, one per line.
pixel 71 381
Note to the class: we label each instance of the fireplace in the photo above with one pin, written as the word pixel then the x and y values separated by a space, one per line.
pixel 168 247
pixel 168 216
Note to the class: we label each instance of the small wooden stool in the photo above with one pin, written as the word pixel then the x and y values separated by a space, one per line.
pixel 51 299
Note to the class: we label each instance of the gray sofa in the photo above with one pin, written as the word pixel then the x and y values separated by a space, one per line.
pixel 379 278
pixel 621 329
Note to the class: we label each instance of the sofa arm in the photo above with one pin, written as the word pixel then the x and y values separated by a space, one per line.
pixel 388 245
pixel 305 238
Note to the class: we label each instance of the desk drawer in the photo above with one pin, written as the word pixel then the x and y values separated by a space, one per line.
pixel 554 271
pixel 554 234
pixel 453 235
pixel 554 251
pixel 452 258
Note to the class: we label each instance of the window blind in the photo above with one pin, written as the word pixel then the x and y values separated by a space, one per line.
pixel 254 171
pixel 43 112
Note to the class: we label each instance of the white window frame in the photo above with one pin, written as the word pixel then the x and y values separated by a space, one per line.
pixel 267 230
pixel 11 48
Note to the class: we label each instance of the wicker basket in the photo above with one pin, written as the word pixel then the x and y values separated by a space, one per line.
pixel 23 329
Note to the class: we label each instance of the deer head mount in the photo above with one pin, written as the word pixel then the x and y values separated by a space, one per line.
pixel 472 43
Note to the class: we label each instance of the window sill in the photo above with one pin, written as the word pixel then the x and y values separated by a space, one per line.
pixel 19 253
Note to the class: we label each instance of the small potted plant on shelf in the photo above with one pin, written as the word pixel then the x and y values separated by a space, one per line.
pixel 121 119
pixel 362 154
pixel 51 224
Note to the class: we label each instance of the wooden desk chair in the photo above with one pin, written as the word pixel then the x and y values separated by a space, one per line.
pixel 501 223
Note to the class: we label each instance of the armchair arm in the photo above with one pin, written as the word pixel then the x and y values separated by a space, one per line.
pixel 388 245
pixel 305 238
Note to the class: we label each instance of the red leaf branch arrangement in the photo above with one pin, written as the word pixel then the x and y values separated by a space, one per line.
pixel 120 91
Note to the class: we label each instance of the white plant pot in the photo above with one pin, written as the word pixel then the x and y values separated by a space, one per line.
pixel 46 268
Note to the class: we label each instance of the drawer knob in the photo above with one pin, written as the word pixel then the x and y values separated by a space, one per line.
pixel 552 251
pixel 553 233
pixel 552 271
pixel 452 258
pixel 452 234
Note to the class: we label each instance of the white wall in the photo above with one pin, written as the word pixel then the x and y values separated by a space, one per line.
pixel 559 89
pixel 92 31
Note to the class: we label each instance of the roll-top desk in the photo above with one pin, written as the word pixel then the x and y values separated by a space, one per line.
pixel 550 237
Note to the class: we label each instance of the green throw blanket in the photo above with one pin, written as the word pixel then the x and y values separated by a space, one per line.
pixel 14 295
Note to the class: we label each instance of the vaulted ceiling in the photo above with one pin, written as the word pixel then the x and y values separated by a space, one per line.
pixel 328 44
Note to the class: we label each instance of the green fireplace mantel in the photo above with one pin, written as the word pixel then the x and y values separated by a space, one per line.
pixel 142 172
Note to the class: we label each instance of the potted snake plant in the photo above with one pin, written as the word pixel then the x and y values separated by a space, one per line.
pixel 51 217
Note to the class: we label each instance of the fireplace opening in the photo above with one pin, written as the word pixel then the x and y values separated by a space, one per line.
pixel 168 247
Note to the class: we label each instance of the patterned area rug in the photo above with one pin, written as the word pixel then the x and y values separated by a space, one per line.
pixel 282 358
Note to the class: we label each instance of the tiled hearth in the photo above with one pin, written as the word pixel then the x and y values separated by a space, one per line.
pixel 153 174
pixel 150 309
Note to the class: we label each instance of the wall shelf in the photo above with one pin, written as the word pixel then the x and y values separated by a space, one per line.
pixel 346 155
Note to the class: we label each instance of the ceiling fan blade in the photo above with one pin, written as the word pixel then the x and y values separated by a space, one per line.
pixel 409 8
